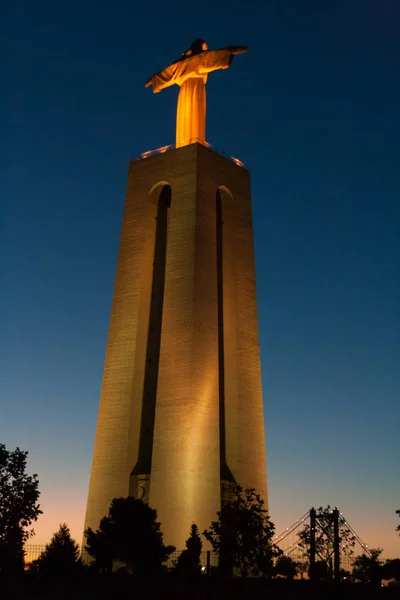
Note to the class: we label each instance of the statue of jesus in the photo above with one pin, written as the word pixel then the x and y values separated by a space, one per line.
pixel 190 72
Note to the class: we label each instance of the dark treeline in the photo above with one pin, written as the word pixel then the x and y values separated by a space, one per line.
pixel 127 555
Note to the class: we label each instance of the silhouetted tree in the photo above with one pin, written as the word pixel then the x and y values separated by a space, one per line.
pixel 60 559
pixel 242 535
pixel 324 538
pixel 391 569
pixel 131 535
pixel 189 563
pixel 321 570
pixel 398 526
pixel 368 568
pixel 98 546
pixel 303 567
pixel 286 567
pixel 18 507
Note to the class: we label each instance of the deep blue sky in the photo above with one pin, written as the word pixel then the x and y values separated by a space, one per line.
pixel 313 110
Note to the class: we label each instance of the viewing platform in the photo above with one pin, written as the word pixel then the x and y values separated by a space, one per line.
pixel 163 149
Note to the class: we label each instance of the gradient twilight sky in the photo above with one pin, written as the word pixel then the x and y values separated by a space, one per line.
pixel 313 110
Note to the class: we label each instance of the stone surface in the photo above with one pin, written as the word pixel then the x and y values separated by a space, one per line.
pixel 181 475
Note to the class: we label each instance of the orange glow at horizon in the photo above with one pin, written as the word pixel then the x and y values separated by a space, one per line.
pixel 60 505
pixel 71 511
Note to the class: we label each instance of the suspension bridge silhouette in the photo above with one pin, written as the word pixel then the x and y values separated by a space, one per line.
pixel 328 530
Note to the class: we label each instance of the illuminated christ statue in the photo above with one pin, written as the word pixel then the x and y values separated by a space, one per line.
pixel 190 72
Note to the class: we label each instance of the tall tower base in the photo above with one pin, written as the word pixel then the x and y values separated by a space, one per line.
pixel 181 413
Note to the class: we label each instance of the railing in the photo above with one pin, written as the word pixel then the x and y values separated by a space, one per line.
pixel 163 149
pixel 32 551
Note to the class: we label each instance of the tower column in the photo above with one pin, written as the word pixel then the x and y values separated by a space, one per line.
pixel 181 405
pixel 185 467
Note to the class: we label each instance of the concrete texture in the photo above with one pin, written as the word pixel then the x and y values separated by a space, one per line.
pixel 181 403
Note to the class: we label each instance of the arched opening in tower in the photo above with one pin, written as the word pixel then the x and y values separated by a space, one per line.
pixel 225 473
pixel 141 472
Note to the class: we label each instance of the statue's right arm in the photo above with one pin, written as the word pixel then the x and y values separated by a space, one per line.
pixel 163 79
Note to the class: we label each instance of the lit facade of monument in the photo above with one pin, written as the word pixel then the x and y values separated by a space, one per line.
pixel 181 413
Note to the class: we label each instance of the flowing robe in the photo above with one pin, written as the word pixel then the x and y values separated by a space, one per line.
pixel 191 73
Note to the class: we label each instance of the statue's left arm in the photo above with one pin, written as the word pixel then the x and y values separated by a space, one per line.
pixel 237 49
pixel 193 66
pixel 219 59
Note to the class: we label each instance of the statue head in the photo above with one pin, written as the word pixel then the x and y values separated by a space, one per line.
pixel 196 47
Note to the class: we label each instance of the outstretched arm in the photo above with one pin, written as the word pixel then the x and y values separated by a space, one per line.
pixel 219 59
pixel 163 79
pixel 238 49
pixel 195 65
